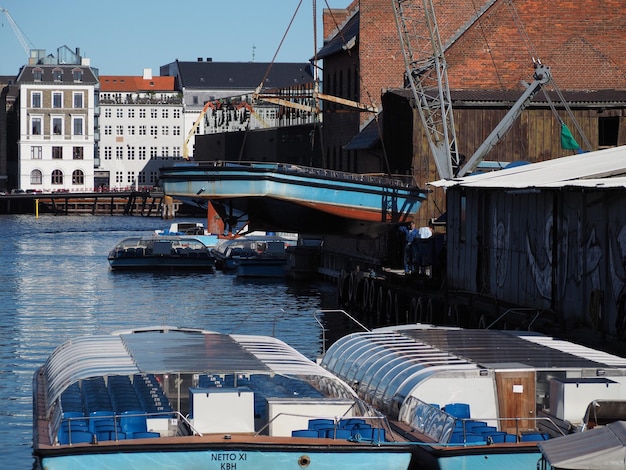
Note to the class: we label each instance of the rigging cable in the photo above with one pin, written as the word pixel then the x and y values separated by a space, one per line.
pixel 534 57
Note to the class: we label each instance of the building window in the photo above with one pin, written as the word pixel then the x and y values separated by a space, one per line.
pixel 57 177
pixel 176 113
pixel 36 177
pixel 108 153
pixel 107 112
pixel 153 113
pixel 77 125
pixel 38 74
pixel 57 99
pixel 35 152
pixel 77 75
pixel 131 113
pixel 142 153
pixel 119 130
pixel 78 177
pixel 176 130
pixel 176 152
pixel 130 177
pixel 154 130
pixel 119 113
pixel 165 152
pixel 78 100
pixel 131 130
pixel 118 177
pixel 608 129
pixel 35 125
pixel 57 126
pixel 77 153
pixel 165 130
pixel 119 153
pixel 142 130
pixel 153 153
pixel 131 153
pixel 108 130
pixel 195 100
pixel 165 113
pixel 153 177
pixel 57 153
pixel 57 75
pixel 142 113
pixel 35 99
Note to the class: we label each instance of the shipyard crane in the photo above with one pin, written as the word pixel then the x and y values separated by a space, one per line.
pixel 21 37
pixel 426 73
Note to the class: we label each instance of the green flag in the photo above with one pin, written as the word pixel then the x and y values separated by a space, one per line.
pixel 567 139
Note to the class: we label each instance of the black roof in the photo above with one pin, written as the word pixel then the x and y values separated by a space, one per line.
pixel 242 75
pixel 368 137
pixel 26 75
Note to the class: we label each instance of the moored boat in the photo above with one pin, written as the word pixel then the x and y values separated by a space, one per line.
pixel 183 398
pixel 293 198
pixel 183 228
pixel 478 398
pixel 164 252
pixel 256 254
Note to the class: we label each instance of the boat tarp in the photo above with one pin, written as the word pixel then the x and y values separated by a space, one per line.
pixel 600 448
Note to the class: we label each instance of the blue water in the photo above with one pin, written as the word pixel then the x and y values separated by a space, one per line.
pixel 55 283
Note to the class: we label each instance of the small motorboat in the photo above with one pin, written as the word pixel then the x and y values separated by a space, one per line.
pixel 254 255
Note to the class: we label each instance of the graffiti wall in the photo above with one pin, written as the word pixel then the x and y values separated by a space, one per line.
pixel 561 251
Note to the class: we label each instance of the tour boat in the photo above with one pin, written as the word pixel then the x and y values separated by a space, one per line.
pixel 165 397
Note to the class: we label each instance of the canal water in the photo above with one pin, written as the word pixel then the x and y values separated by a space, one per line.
pixel 55 284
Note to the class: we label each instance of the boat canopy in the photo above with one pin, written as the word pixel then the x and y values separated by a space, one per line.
pixel 600 448
pixel 170 350
pixel 387 364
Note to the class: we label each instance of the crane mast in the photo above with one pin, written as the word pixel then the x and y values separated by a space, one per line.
pixel 427 77
pixel 21 37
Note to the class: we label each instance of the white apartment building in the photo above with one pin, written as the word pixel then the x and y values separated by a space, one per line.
pixel 141 130
pixel 56 127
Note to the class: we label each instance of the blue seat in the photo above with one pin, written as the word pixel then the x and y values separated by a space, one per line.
pixel 321 423
pixel 75 437
pixel 496 437
pixel 133 422
pixel 510 438
pixel 458 410
pixel 534 436
pixel 369 434
pixel 351 422
pixel 110 435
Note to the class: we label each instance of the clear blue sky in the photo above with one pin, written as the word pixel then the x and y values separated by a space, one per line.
pixel 124 37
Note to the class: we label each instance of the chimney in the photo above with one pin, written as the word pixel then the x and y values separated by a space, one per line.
pixel 147 74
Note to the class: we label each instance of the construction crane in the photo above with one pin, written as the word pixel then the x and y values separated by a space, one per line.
pixel 426 71
pixel 21 37
pixel 207 105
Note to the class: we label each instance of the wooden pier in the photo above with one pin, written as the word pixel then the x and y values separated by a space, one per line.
pixel 141 203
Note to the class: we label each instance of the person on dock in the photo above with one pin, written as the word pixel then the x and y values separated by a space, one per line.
pixel 410 234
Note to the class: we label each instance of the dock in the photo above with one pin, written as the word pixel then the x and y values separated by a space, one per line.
pixel 141 203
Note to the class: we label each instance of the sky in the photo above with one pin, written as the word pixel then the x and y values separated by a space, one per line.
pixel 122 37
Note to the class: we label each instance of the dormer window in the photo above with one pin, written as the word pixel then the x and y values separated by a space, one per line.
pixel 57 75
pixel 37 74
pixel 77 75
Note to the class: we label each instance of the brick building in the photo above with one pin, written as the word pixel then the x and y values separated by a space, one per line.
pixel 489 48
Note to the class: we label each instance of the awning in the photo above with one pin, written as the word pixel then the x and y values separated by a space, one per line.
pixel 600 448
